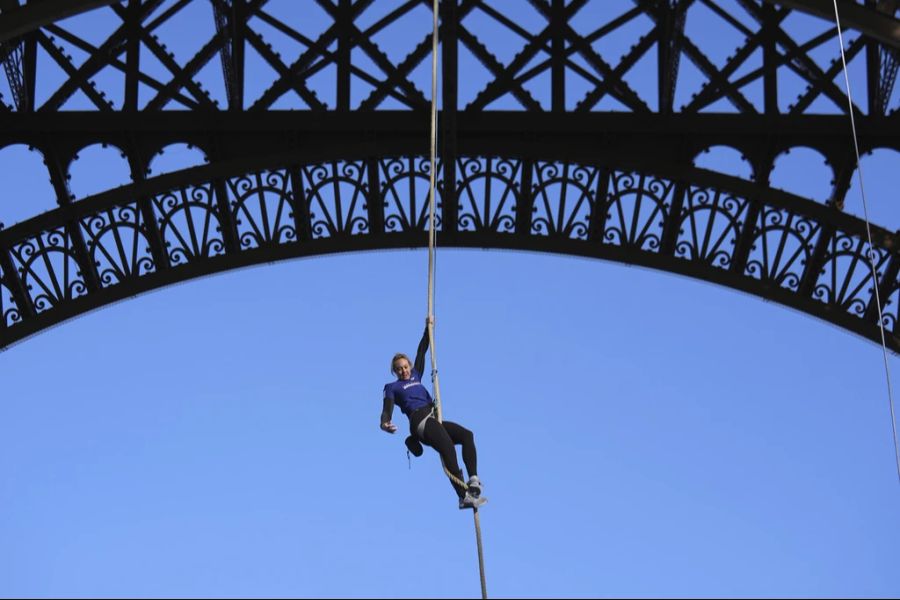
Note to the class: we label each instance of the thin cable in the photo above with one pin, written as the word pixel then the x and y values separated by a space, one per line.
pixel 862 191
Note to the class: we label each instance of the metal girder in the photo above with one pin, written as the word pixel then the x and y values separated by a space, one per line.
pixel 13 64
pixel 643 141
pixel 20 20
pixel 557 51
pixel 643 137
pixel 876 24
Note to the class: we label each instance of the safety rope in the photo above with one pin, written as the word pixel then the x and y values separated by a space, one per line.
pixel 431 256
pixel 862 191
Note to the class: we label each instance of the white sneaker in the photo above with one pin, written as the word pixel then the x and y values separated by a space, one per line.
pixel 474 486
pixel 470 501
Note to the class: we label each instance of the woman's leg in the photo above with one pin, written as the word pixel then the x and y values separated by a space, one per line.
pixel 437 437
pixel 461 435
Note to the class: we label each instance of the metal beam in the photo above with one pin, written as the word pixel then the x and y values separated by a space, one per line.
pixel 18 21
pixel 875 24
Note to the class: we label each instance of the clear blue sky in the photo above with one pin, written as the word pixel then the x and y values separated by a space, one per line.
pixel 640 434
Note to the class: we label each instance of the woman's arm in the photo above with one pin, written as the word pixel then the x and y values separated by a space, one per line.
pixel 387 412
pixel 420 352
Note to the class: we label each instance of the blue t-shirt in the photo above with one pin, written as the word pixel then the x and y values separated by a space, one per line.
pixel 408 394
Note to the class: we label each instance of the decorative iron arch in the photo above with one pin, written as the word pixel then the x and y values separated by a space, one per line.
pixel 233 214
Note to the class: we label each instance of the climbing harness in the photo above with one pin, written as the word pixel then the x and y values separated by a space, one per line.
pixel 862 191
pixel 431 256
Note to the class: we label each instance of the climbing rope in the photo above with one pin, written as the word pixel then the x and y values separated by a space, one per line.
pixel 862 191
pixel 431 256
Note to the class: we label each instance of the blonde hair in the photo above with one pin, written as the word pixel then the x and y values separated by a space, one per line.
pixel 397 357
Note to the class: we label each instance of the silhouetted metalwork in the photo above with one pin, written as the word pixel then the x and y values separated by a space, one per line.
pixel 528 159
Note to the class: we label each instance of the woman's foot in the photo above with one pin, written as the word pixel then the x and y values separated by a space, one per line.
pixel 474 486
pixel 414 446
pixel 470 501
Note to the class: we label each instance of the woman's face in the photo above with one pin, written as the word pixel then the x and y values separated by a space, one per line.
pixel 402 369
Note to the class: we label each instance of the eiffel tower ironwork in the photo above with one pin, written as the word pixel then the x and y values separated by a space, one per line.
pixel 553 149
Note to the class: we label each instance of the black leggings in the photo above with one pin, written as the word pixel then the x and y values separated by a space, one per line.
pixel 442 437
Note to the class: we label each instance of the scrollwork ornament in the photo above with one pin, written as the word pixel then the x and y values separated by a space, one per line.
pixel 178 256
pixel 76 288
pixel 26 250
pixel 109 276
pixel 42 302
pixel 12 316
pixel 773 219
pixel 95 224
pixel 613 236
pixel 658 189
pixel 249 240
pixel 733 207
pixel 851 264
pixel 843 244
pixel 485 205
pixel 856 306
pixel 423 168
pixel 242 185
pixel 720 259
pixel 201 195
pixel 625 181
pixel 215 247
pixel 701 196
pixel 353 172
pixel 686 248
pixel 547 172
pixel 582 174
pixel 358 225
pixel 321 229
pixel 56 239
pixel 713 221
pixel 790 280
pixel 394 223
pixel 541 226
pixel 286 234
pixel 277 179
pixel 506 170
pixel 393 168
pixel 317 173
pixel 823 293
pixel 469 167
pixel 650 242
pixel 505 224
pixel 168 202
pixel 144 265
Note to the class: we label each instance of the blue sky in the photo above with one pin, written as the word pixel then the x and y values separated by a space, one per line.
pixel 640 434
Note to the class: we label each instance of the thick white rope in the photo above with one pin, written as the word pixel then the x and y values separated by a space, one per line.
pixel 862 191
pixel 431 259
pixel 431 203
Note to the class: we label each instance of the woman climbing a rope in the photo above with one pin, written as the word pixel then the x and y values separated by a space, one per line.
pixel 415 402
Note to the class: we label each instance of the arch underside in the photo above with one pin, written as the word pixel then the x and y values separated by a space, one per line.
pixel 223 216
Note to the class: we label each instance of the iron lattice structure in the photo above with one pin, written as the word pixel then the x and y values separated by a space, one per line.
pixel 310 164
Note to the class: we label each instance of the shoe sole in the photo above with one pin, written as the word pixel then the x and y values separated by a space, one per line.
pixel 482 502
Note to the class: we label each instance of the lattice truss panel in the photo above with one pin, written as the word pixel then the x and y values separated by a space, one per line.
pixel 690 56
